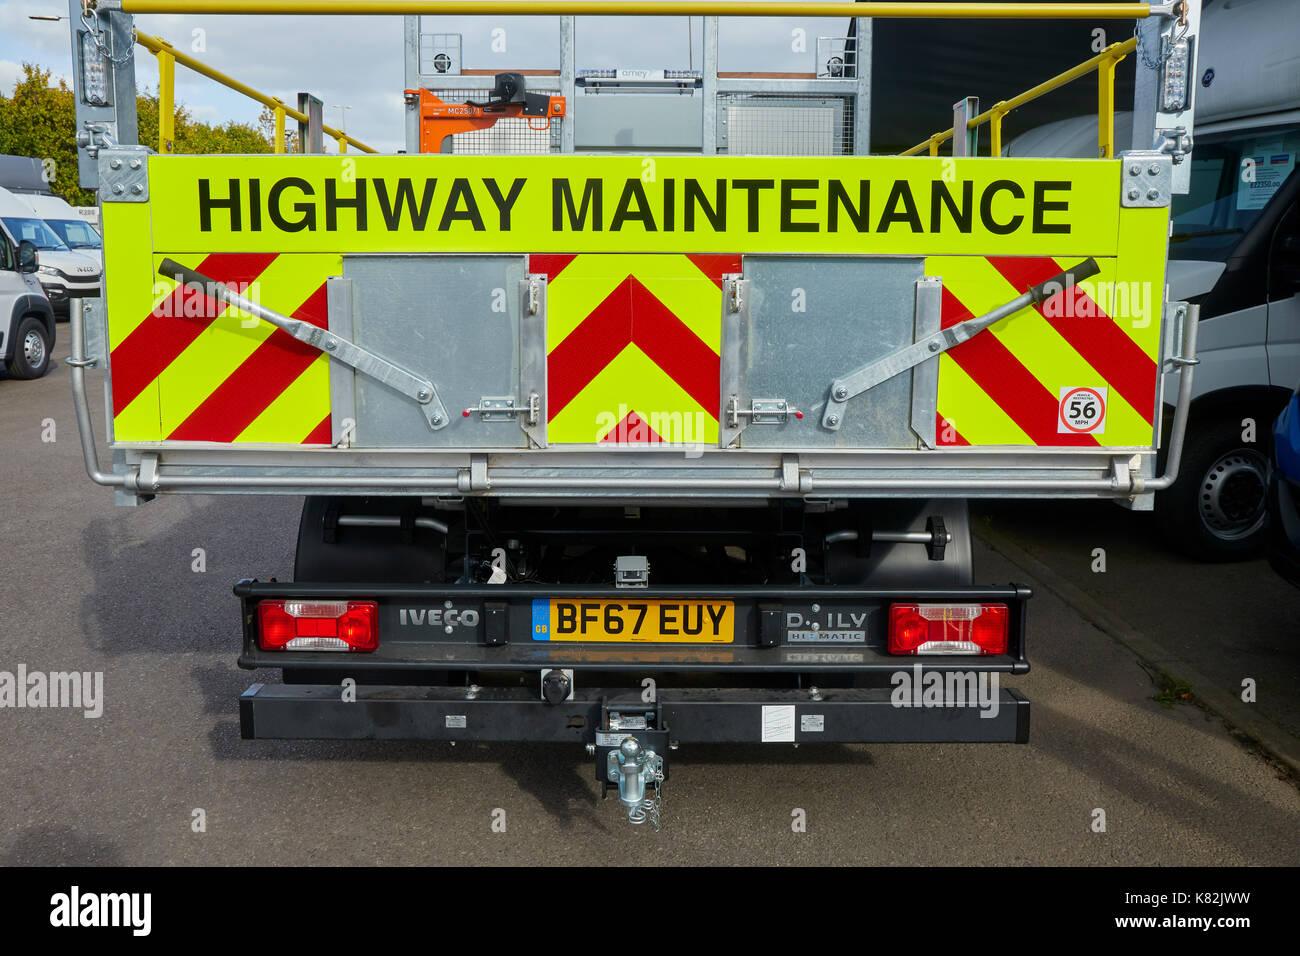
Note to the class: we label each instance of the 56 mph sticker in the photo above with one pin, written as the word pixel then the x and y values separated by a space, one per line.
pixel 1082 411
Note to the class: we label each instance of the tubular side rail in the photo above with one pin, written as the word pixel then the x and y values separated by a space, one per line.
pixel 745 8
pixel 1103 63
pixel 168 56
pixel 156 480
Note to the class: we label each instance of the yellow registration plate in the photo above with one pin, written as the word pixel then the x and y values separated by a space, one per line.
pixel 648 621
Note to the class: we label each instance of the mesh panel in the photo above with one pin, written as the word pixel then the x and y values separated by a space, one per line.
pixel 511 136
pixel 757 124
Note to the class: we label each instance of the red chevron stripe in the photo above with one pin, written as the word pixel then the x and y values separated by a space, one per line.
pixel 174 323
pixel 322 434
pixel 715 267
pixel 671 345
pixel 549 264
pixel 259 380
pixel 586 350
pixel 1090 332
pixel 631 314
pixel 945 427
pixel 633 429
pixel 1005 380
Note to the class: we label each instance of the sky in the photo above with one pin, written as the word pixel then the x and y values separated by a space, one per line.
pixel 357 61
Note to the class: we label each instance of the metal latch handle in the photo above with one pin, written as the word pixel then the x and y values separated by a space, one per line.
pixel 504 409
pixel 351 355
pixel 761 411
pixel 871 375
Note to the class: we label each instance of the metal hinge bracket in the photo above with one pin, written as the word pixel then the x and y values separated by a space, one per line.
pixel 421 390
pixel 1177 143
pixel 846 387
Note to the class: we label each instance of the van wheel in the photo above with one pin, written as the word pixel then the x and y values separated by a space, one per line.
pixel 31 350
pixel 1217 509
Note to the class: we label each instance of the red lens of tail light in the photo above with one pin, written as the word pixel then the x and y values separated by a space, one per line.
pixel 948 628
pixel 318 625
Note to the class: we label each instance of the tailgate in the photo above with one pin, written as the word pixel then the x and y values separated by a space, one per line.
pixel 697 315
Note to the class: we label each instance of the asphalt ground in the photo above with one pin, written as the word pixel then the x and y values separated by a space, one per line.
pixel 1219 629
pixel 91 587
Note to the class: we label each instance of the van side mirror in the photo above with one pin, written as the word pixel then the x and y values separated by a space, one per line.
pixel 27 256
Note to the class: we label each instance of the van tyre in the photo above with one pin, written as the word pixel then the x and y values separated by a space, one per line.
pixel 31 355
pixel 1217 509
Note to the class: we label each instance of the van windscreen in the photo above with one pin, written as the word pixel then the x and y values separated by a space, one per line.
pixel 75 233
pixel 1234 175
pixel 34 231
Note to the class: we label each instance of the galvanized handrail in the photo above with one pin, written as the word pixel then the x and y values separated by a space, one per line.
pixel 133 481
pixel 1104 63
pixel 604 8
pixel 168 56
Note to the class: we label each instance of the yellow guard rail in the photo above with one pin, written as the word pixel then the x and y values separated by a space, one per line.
pixel 168 56
pixel 1104 63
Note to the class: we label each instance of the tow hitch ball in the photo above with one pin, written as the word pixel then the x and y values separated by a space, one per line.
pixel 639 774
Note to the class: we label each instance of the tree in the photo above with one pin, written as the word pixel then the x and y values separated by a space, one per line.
pixel 191 136
pixel 266 123
pixel 39 120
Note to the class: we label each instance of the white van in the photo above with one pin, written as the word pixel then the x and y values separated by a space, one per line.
pixel 26 319
pixel 69 224
pixel 63 273
pixel 1235 250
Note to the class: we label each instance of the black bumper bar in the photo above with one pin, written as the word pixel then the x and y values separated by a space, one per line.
pixel 712 715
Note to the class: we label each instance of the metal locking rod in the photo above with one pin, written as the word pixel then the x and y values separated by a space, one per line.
pixel 871 375
pixel 421 390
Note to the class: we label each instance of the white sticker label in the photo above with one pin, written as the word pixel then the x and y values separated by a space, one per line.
pixel 1262 175
pixel 1082 411
pixel 456 720
pixel 778 723
pixel 610 740
pixel 812 723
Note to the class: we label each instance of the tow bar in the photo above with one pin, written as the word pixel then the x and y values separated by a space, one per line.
pixel 637 772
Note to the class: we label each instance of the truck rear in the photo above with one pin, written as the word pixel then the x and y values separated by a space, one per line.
pixel 662 434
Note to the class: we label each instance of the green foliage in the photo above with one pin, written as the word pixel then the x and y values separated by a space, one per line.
pixel 266 123
pixel 1172 690
pixel 191 136
pixel 39 120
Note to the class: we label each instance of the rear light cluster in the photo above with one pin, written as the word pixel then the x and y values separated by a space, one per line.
pixel 318 625
pixel 947 629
